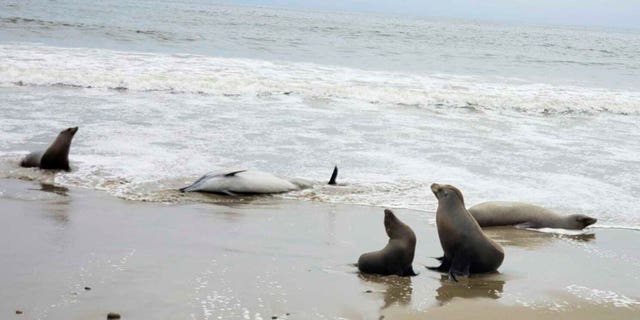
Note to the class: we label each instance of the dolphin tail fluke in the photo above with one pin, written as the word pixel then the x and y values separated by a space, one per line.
pixel 334 175
pixel 196 185
pixel 186 189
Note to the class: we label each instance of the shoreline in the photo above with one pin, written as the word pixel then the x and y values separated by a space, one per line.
pixel 266 257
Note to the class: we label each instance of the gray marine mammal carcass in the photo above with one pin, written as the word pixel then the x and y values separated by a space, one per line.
pixel 246 181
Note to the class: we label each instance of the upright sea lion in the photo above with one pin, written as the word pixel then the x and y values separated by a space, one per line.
pixel 503 213
pixel 56 156
pixel 396 257
pixel 245 181
pixel 466 248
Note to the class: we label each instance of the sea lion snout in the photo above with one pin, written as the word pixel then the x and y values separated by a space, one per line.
pixel 442 192
pixel 389 219
pixel 435 188
pixel 388 213
pixel 586 220
pixel 72 130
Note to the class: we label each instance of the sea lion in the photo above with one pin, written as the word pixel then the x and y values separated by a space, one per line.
pixel 396 257
pixel 56 156
pixel 245 181
pixel 524 215
pixel 466 248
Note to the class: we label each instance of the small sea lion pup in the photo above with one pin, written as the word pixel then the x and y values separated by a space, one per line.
pixel 396 257
pixel 524 215
pixel 466 248
pixel 56 156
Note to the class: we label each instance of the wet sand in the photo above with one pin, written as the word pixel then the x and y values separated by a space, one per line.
pixel 259 258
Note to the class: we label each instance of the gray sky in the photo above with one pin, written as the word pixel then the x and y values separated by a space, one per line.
pixel 612 13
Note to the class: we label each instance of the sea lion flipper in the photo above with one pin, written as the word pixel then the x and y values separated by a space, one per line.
pixel 443 267
pixel 407 272
pixel 459 265
pixel 525 225
pixel 452 276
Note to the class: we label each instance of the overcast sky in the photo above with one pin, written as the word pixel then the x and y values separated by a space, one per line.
pixel 612 13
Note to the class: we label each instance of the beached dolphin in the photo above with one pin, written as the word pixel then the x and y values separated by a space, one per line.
pixel 245 181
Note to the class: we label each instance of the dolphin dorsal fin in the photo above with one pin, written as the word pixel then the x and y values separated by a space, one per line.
pixel 231 174
pixel 334 175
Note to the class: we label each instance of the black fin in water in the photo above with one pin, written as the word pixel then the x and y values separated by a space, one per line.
pixel 334 175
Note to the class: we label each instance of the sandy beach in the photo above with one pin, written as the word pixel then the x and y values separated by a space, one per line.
pixel 260 258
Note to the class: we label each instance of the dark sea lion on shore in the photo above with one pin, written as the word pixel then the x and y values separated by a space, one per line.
pixel 524 215
pixel 56 156
pixel 466 248
pixel 396 257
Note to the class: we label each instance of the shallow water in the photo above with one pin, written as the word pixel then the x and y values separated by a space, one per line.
pixel 505 112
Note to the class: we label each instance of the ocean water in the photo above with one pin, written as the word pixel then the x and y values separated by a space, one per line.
pixel 164 92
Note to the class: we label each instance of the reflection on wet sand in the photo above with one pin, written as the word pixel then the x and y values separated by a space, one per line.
pixel 240 201
pixel 60 212
pixel 475 286
pixel 46 187
pixel 397 290
pixel 531 239
pixel 60 208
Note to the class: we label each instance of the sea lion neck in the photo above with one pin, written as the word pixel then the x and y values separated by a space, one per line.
pixel 57 155
pixel 391 224
pixel 60 146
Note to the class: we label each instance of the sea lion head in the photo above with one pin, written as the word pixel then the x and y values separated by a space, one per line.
pixel 447 193
pixel 69 131
pixel 392 225
pixel 580 221
pixel 63 141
